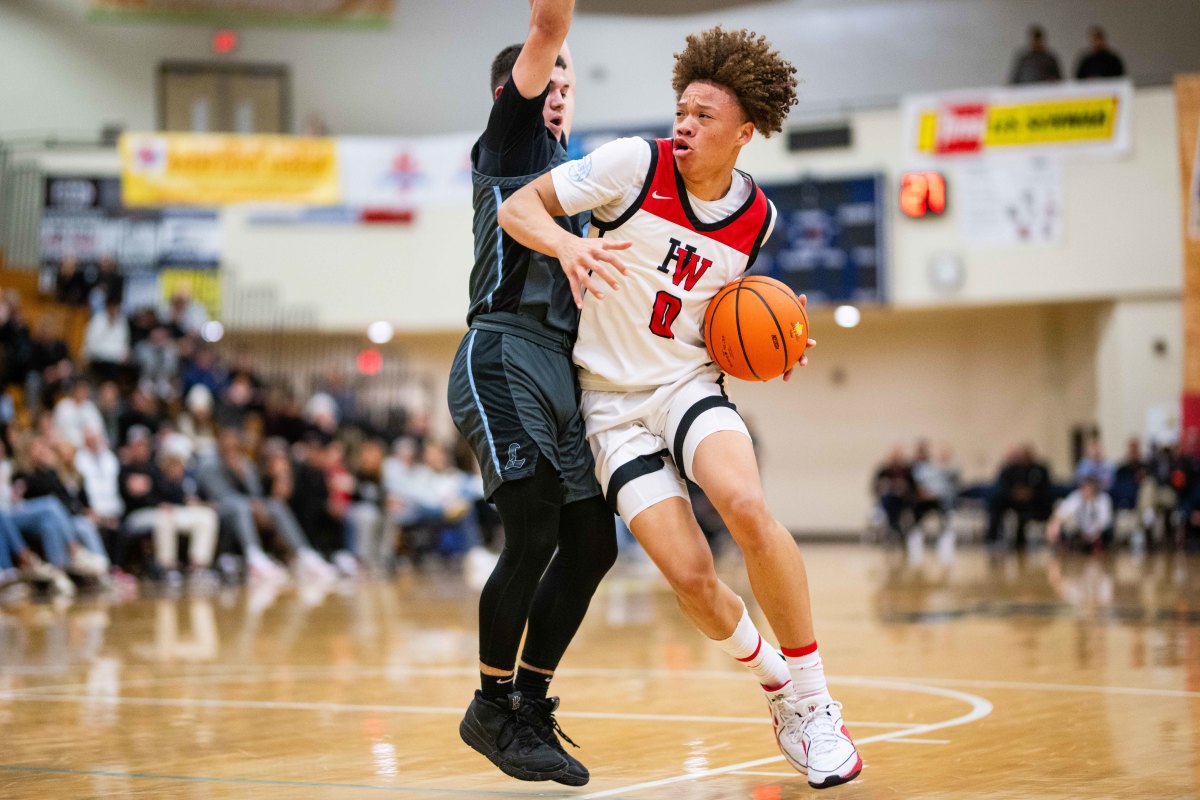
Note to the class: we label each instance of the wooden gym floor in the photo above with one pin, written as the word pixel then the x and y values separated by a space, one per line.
pixel 985 676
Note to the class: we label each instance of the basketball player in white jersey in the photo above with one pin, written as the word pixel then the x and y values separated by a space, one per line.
pixel 676 222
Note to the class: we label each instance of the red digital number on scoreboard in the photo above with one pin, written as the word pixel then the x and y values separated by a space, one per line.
pixel 922 194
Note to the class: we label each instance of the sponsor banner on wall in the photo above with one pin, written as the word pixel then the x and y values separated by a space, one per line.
pixel 83 217
pixel 828 240
pixel 1011 202
pixel 358 13
pixel 214 169
pixel 1090 117
pixel 384 173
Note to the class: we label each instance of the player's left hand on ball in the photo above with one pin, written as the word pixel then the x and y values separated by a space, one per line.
pixel 803 298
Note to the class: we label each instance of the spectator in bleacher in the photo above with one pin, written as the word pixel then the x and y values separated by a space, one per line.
pixel 108 403
pixel 1084 519
pixel 232 482
pixel 1133 488
pixel 374 540
pixel 1093 463
pixel 163 502
pixel 1099 61
pixel 321 414
pixel 1023 486
pixel 100 470
pixel 15 343
pixel 243 367
pixel 1035 63
pixel 70 287
pixel 282 416
pixel 49 365
pixel 76 412
pixel 453 492
pixel 235 403
pixel 141 323
pixel 19 563
pixel 196 422
pixel 203 370
pixel 319 512
pixel 925 500
pixel 108 285
pixel 142 410
pixel 157 357
pixel 184 316
pixel 339 389
pixel 43 518
pixel 40 478
pixel 937 482
pixel 894 489
pixel 106 344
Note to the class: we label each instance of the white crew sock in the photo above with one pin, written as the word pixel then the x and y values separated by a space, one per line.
pixel 808 676
pixel 748 647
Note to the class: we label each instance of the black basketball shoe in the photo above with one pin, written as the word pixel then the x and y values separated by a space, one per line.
pixel 540 716
pixel 501 733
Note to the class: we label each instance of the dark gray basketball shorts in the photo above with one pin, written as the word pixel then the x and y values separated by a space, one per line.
pixel 516 401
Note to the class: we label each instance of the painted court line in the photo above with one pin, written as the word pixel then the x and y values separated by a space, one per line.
pixel 285 705
pixel 980 708
pixel 1059 687
pixel 264 673
pixel 16 768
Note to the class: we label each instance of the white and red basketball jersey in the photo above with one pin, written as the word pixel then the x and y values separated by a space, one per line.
pixel 650 333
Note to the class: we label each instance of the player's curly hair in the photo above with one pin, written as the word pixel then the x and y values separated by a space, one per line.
pixel 743 62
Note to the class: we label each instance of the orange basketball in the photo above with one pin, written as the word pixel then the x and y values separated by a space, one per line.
pixel 755 328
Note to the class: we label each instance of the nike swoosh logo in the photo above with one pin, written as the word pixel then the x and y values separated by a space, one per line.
pixel 507 680
pixel 658 196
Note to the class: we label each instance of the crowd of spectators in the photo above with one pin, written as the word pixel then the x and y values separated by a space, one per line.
pixel 1153 495
pixel 151 439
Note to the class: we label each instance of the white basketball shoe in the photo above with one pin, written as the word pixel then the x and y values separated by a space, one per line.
pixel 813 738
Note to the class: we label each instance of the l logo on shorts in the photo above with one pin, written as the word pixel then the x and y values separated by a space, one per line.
pixel 513 461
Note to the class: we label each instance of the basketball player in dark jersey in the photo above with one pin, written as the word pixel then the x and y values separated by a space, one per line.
pixel 514 395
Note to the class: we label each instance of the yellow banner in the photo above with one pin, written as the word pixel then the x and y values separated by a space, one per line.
pixel 351 13
pixel 1090 119
pixel 1092 116
pixel 215 169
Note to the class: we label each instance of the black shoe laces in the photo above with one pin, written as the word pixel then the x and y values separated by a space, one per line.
pixel 543 714
pixel 512 730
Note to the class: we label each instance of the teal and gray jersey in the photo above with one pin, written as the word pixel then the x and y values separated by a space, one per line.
pixel 508 276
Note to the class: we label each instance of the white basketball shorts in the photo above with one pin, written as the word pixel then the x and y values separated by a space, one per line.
pixel 644 442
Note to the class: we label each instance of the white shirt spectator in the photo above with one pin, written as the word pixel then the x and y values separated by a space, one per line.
pixel 107 338
pixel 72 418
pixel 1090 517
pixel 101 477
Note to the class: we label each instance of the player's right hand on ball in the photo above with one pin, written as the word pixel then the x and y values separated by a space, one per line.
pixel 590 263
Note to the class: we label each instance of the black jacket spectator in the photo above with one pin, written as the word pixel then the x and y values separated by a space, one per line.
pixel 71 287
pixel 45 482
pixel 1100 61
pixel 143 485
pixel 1024 487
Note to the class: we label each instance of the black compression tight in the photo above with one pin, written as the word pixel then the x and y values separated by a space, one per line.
pixel 522 589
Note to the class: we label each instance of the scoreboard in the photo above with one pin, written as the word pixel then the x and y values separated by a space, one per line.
pixel 828 241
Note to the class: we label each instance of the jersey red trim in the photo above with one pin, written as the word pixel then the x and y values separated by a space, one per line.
pixel 667 200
